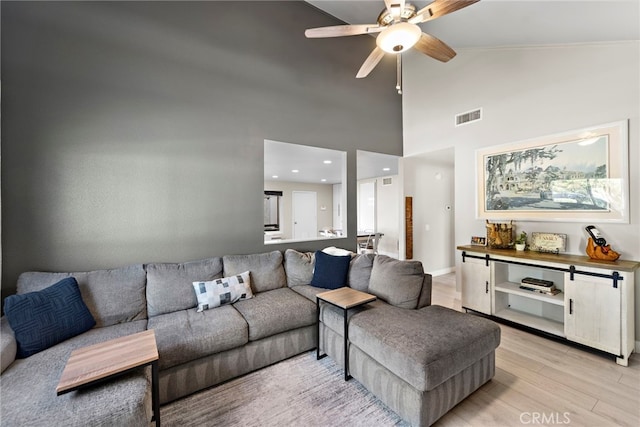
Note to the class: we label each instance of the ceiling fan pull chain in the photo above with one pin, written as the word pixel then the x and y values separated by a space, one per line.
pixel 399 73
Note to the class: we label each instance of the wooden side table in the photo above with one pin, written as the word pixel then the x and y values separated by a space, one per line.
pixel 344 298
pixel 95 363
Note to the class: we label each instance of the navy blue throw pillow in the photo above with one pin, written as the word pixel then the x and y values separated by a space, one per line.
pixel 330 271
pixel 42 319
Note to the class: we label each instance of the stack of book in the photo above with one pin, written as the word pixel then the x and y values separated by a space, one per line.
pixel 539 285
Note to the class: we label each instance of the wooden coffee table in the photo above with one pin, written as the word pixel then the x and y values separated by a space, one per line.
pixel 96 363
pixel 344 298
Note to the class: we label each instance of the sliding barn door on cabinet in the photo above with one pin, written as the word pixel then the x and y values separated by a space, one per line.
pixel 476 283
pixel 592 312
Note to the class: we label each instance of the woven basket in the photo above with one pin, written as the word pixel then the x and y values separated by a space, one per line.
pixel 500 235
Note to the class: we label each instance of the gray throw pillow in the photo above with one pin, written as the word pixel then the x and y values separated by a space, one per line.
pixel 397 282
pixel 169 285
pixel 360 272
pixel 266 269
pixel 299 267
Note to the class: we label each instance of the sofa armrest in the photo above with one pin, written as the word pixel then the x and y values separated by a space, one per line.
pixel 8 345
pixel 425 292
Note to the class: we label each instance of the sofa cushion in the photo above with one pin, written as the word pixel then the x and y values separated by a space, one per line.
pixel 28 392
pixel 112 296
pixel 273 312
pixel 333 317
pixel 423 347
pixel 44 318
pixel 226 290
pixel 267 271
pixel 186 335
pixel 425 293
pixel 360 272
pixel 170 285
pixel 330 271
pixel 299 267
pixel 8 345
pixel 308 291
pixel 397 282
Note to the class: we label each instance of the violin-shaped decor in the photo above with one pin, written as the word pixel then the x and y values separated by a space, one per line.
pixel 601 252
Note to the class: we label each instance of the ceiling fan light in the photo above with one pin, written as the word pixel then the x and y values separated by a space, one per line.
pixel 398 37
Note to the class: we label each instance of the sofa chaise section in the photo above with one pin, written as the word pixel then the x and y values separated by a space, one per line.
pixel 29 388
pixel 443 355
pixel 420 360
pixel 116 299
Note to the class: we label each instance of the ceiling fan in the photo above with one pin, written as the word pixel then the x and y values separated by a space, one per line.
pixel 398 30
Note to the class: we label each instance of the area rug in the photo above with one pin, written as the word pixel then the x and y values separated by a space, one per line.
pixel 300 391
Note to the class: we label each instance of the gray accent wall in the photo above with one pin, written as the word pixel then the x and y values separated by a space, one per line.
pixel 133 131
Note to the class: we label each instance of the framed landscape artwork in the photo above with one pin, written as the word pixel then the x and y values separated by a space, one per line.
pixel 577 176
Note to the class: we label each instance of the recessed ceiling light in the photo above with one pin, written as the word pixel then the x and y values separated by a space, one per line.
pixel 323 180
pixel 386 169
pixel 274 176
pixel 295 170
pixel 327 162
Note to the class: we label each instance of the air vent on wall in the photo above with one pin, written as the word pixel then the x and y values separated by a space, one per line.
pixel 387 181
pixel 468 117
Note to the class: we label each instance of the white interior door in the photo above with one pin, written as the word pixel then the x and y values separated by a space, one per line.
pixel 305 214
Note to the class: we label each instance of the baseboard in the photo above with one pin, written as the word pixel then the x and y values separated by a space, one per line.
pixel 442 272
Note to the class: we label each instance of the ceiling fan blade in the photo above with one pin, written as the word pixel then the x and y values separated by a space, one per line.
pixel 395 8
pixel 434 48
pixel 440 8
pixel 342 30
pixel 370 63
pixel 388 4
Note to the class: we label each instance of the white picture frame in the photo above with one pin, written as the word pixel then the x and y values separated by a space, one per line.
pixel 576 176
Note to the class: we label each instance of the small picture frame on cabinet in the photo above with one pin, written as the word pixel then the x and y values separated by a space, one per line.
pixel 478 241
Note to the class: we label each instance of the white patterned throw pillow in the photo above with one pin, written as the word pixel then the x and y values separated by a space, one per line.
pixel 226 290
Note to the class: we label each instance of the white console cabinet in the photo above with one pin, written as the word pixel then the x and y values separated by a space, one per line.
pixel 595 307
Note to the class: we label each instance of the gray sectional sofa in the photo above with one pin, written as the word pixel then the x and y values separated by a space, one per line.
pixel 419 359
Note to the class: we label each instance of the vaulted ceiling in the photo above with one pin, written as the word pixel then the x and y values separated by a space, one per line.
pixel 500 23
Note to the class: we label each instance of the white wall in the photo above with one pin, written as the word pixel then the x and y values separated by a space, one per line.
pixel 387 215
pixel 367 205
pixel 378 211
pixel 338 209
pixel 525 93
pixel 431 184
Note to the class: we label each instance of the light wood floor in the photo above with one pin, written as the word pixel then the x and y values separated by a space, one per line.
pixel 539 381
